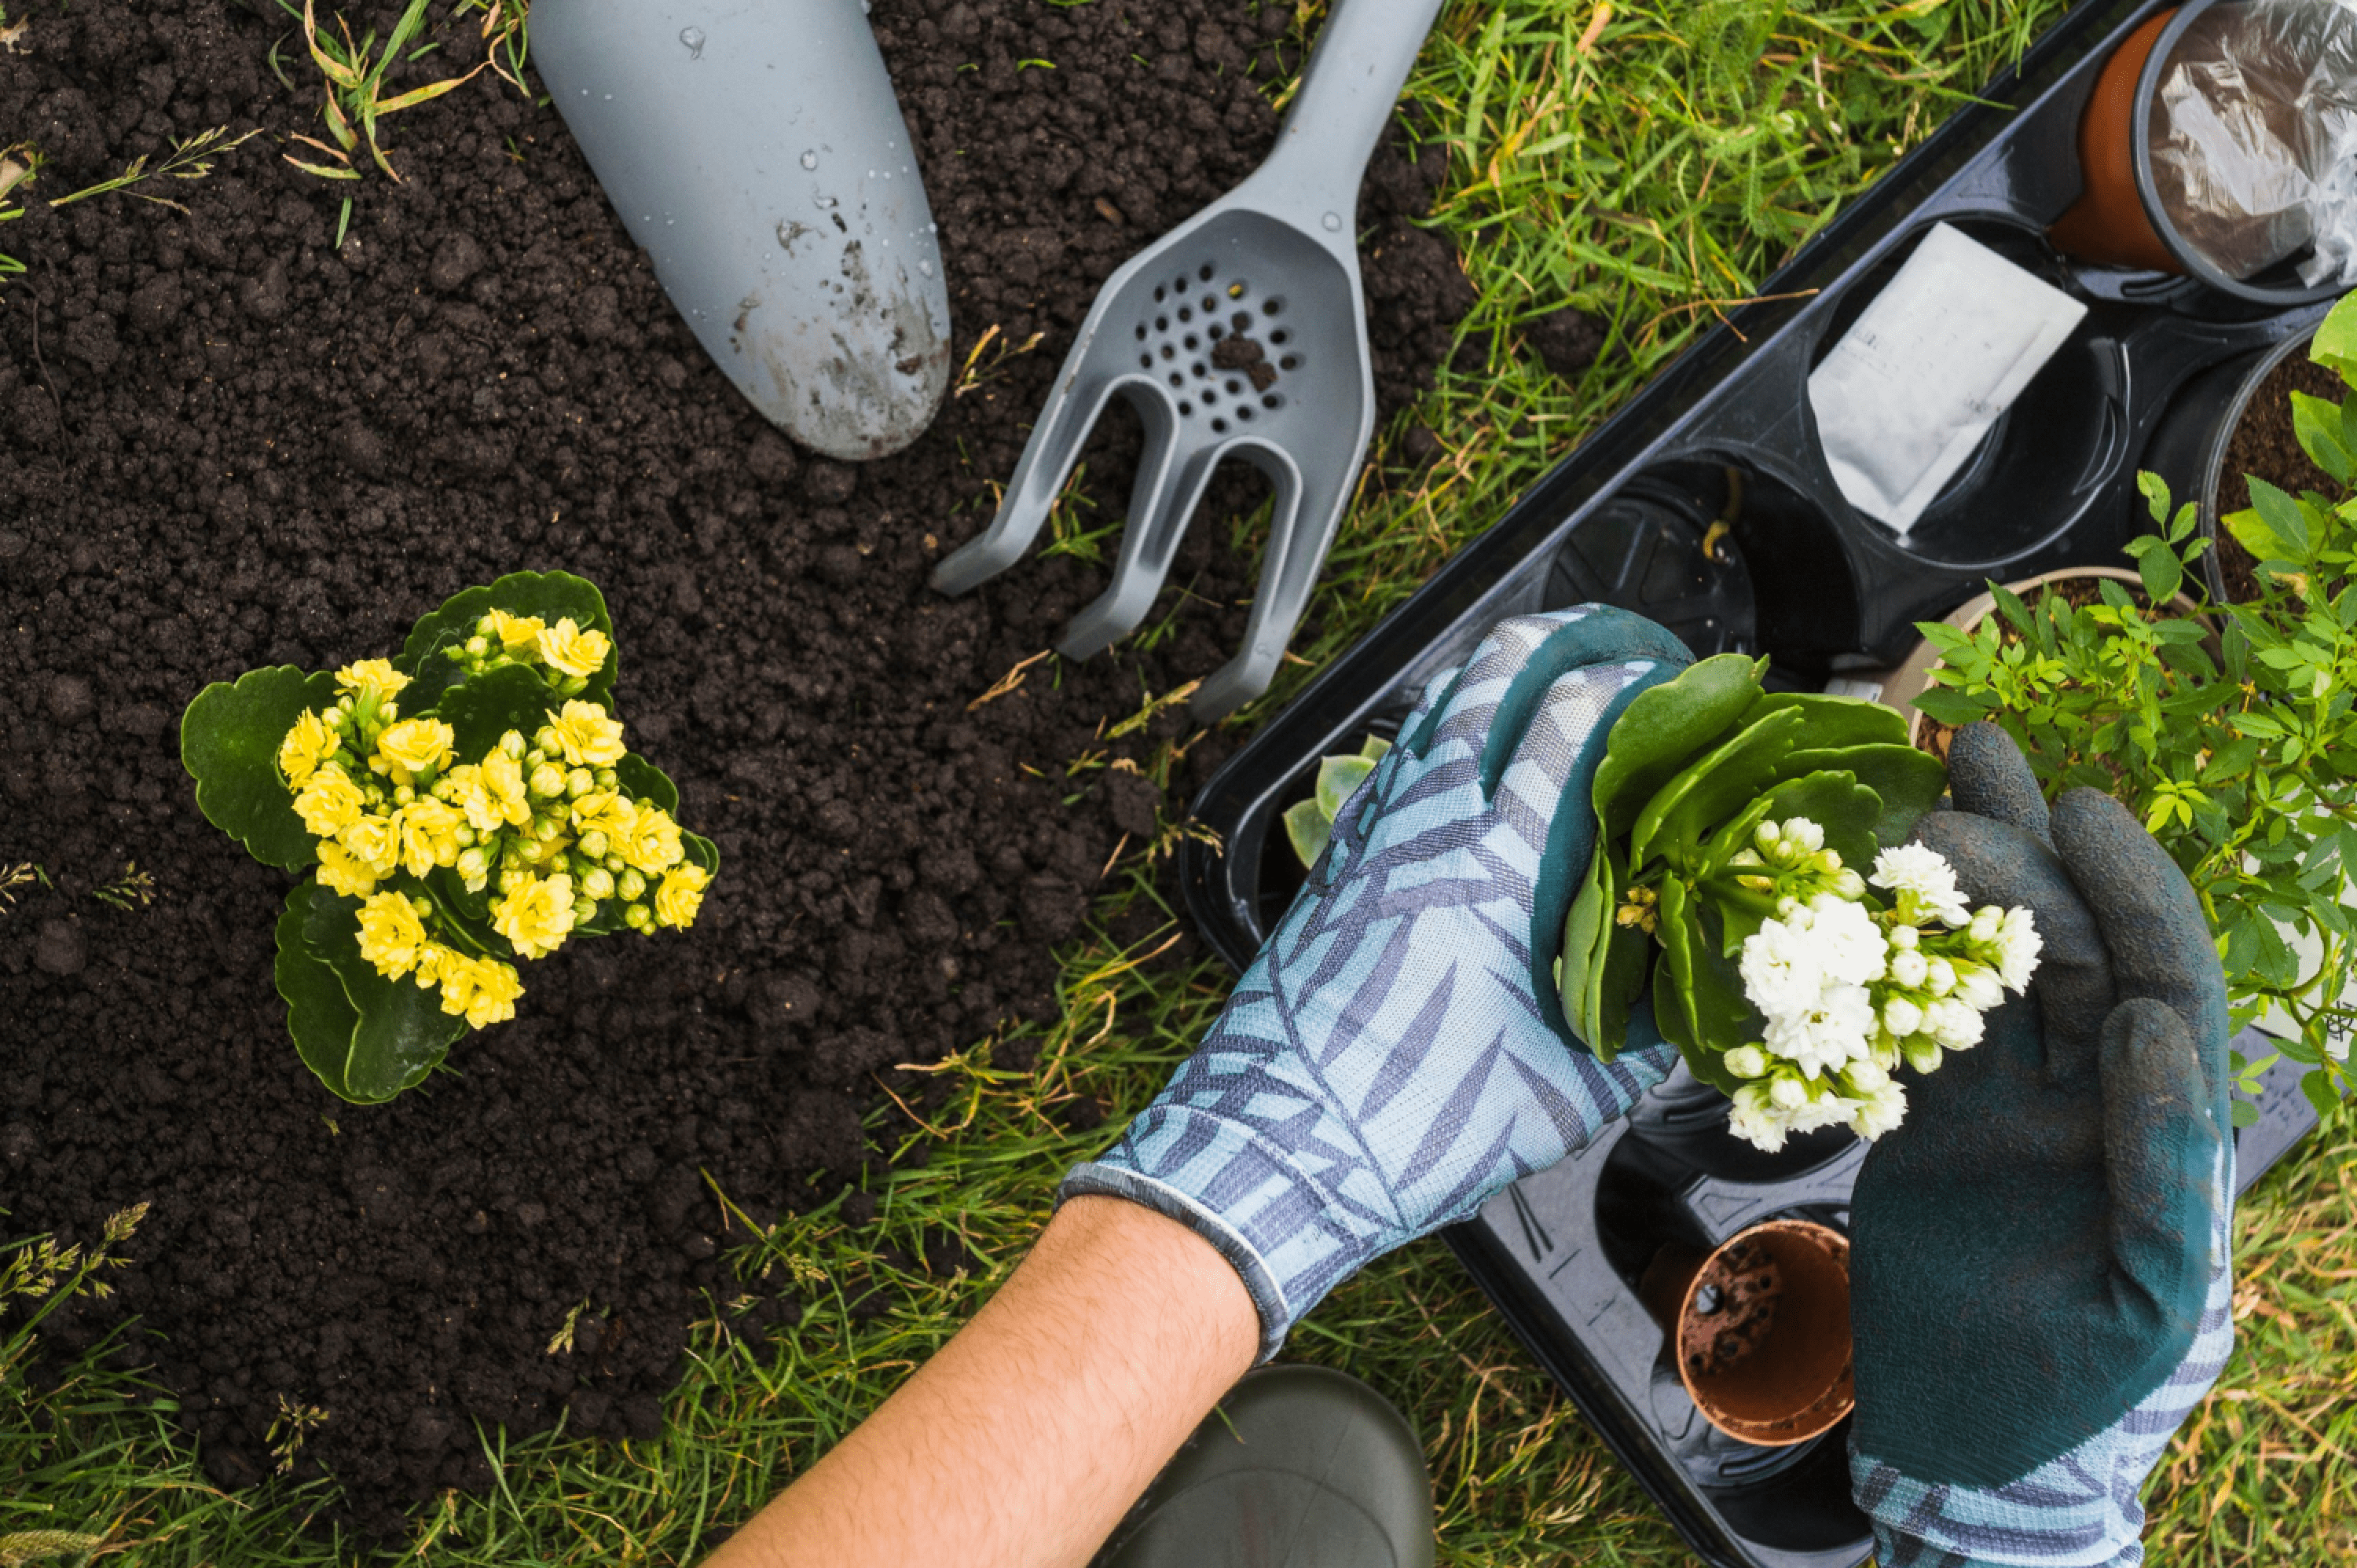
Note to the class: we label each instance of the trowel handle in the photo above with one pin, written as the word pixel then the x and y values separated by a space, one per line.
pixel 1353 81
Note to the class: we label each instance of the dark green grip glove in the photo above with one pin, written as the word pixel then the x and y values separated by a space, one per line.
pixel 2032 1253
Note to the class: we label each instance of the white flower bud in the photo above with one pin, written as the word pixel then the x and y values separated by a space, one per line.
pixel 1787 1094
pixel 1850 884
pixel 1905 936
pixel 1979 988
pixel 1805 834
pixel 1746 1061
pixel 1940 977
pixel 1787 906
pixel 1907 966
pixel 1922 1053
pixel 1863 1077
pixel 1901 1016
pixel 1986 922
pixel 1766 837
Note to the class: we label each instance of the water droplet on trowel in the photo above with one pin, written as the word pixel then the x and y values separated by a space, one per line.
pixel 1333 222
pixel 810 160
pixel 925 268
pixel 693 38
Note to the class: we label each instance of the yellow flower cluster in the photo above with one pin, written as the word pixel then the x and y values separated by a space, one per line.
pixel 548 818
pixel 575 652
pixel 392 936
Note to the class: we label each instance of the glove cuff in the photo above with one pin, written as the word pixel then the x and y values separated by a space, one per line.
pixel 1289 1238
pixel 1932 1524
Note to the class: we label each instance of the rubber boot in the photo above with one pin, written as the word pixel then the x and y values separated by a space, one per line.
pixel 1298 1467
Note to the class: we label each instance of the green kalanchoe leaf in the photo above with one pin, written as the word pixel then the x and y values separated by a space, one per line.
pixel 229 743
pixel 1337 777
pixel 549 596
pixel 1718 782
pixel 1907 783
pixel 479 711
pixel 642 781
pixel 1665 728
pixel 367 1038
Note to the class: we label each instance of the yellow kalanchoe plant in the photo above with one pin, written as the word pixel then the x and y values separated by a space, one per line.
pixel 469 804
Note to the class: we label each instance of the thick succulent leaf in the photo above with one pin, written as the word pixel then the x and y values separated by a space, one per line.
pixel 229 743
pixel 1375 748
pixel 701 851
pixel 1835 721
pixel 1337 777
pixel 1664 729
pixel 1697 990
pixel 1838 802
pixel 1909 782
pixel 1306 829
pixel 1579 969
pixel 479 711
pixel 642 781
pixel 386 1036
pixel 1716 786
pixel 551 595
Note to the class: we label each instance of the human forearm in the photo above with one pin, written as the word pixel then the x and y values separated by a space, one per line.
pixel 1026 1439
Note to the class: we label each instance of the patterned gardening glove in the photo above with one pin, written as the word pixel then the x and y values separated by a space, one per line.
pixel 1396 1053
pixel 2040 1273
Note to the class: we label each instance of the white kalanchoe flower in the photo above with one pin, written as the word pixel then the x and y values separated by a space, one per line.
pixel 1902 1017
pixel 1827 1034
pixel 1863 1076
pixel 1879 1112
pixel 1755 1121
pixel 1920 875
pixel 2018 946
pixel 1851 946
pixel 1905 938
pixel 1978 987
pixel 1908 966
pixel 1746 1061
pixel 1939 977
pixel 1782 973
pixel 1951 1025
pixel 1985 922
pixel 1922 1052
pixel 1787 1094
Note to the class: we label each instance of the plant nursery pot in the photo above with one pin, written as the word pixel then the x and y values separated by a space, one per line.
pixel 1761 1327
pixel 2194 447
pixel 2120 218
pixel 2108 223
pixel 1913 674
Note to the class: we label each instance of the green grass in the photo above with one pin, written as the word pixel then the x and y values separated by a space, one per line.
pixel 1656 176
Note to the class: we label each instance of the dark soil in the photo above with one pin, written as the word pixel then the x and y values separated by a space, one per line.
pixel 232 442
pixel 2265 445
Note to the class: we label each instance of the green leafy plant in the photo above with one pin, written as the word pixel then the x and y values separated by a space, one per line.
pixel 467 803
pixel 191 157
pixel 1732 827
pixel 2234 738
pixel 1310 823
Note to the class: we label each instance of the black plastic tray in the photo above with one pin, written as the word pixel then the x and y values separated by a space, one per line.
pixel 1725 434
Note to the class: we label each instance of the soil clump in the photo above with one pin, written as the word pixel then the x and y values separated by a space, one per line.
pixel 239 436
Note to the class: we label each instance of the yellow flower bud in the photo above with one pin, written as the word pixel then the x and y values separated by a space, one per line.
pixel 548 779
pixel 597 883
pixel 568 648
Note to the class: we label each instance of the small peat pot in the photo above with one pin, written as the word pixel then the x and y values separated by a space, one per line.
pixel 1761 1329
pixel 1913 674
pixel 2125 216
pixel 2232 419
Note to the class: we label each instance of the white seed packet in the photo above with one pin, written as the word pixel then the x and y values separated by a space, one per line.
pixel 1937 357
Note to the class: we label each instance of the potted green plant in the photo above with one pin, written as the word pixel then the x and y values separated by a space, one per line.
pixel 2239 753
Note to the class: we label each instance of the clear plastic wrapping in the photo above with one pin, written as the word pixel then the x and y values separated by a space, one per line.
pixel 2253 136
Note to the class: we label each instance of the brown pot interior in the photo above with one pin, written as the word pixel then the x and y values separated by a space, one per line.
pixel 2108 223
pixel 1762 1327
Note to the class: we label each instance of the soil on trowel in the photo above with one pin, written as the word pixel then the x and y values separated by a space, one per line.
pixel 235 439
pixel 2265 445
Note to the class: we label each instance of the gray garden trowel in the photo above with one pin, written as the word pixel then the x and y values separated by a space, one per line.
pixel 1241 333
pixel 753 148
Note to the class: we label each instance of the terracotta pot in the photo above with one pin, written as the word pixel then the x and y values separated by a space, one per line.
pixel 2108 222
pixel 1761 1328
pixel 1913 674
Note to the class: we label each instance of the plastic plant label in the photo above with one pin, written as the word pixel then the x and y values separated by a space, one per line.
pixel 1934 360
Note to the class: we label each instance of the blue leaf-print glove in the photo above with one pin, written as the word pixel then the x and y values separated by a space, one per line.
pixel 1396 1053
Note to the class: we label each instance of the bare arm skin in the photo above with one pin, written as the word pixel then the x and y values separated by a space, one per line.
pixel 1023 1442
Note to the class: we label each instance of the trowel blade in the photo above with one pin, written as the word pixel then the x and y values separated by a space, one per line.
pixel 755 150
